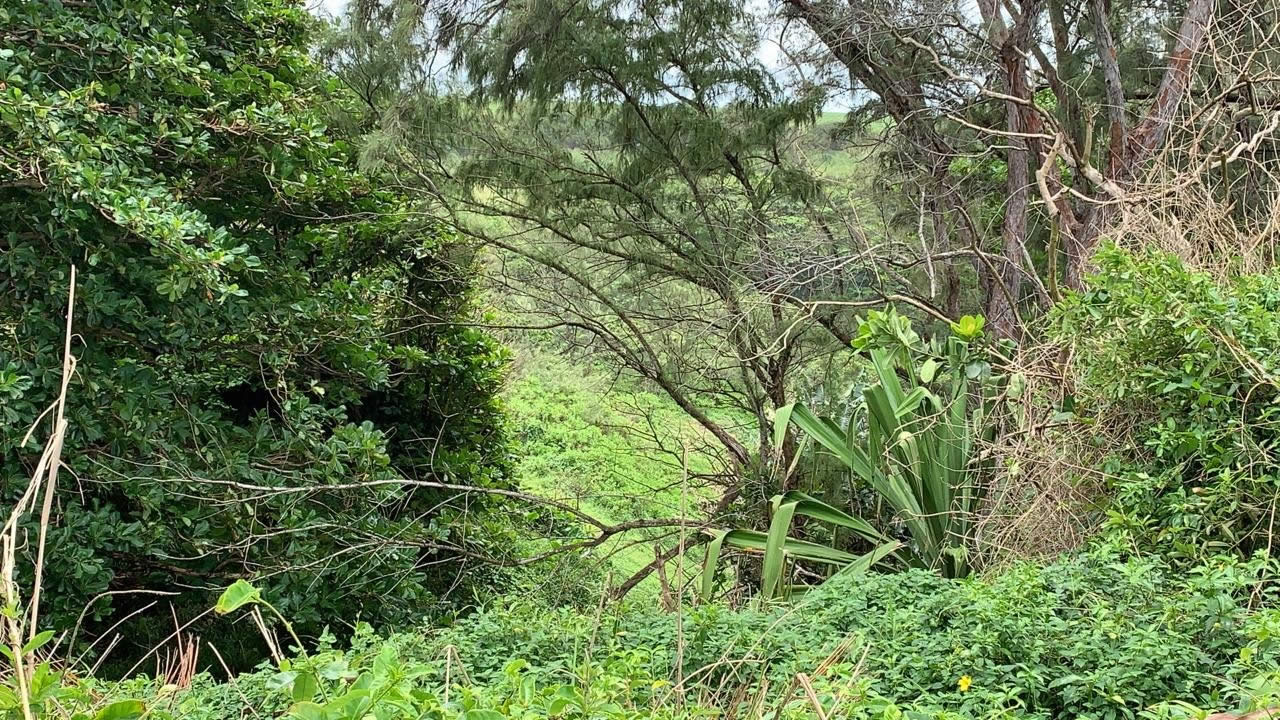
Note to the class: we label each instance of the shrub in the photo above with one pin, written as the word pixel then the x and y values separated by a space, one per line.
pixel 911 445
pixel 1179 374
pixel 251 312
pixel 1095 636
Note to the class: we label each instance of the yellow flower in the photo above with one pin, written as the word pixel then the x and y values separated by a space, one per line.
pixel 964 682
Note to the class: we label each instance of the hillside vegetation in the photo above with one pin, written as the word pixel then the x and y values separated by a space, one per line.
pixel 576 360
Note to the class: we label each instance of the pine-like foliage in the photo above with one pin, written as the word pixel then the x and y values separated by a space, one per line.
pixel 632 167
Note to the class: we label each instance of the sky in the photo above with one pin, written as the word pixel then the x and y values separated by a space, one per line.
pixel 327 7
pixel 769 53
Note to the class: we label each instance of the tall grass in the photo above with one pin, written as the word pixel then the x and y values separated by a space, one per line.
pixel 21 624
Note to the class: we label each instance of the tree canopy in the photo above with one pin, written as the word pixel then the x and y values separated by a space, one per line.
pixel 273 374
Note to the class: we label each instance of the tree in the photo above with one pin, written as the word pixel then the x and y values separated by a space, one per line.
pixel 271 378
pixel 943 74
pixel 633 166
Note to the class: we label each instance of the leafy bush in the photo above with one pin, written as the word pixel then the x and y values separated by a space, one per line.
pixel 1179 374
pixel 1094 636
pixel 252 313
pixel 910 444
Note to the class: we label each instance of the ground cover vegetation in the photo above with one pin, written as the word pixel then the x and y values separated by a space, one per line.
pixel 577 360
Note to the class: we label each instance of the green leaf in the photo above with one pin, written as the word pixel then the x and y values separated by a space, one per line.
pixel 866 562
pixel 781 419
pixel 756 541
pixel 237 596
pixel 709 564
pixel 37 642
pixel 305 686
pixel 309 711
pixel 809 506
pixel 355 703
pixel 281 681
pixel 834 439
pixel 969 326
pixel 929 370
pixel 122 710
pixel 774 552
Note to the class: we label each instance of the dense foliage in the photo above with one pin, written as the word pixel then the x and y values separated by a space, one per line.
pixel 255 322
pixel 647 208
pixel 911 443
pixel 1179 376
pixel 278 234
pixel 1094 636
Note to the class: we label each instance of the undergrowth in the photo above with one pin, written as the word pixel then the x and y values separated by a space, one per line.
pixel 1098 635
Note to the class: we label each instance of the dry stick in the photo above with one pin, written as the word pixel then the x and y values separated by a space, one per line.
pixel 933 278
pixel 115 640
pixel 684 494
pixel 50 457
pixel 232 679
pixel 60 429
pixel 757 705
pixel 108 631
pixel 75 630
pixel 187 624
pixel 14 629
pixel 813 696
pixel 448 670
pixel 272 644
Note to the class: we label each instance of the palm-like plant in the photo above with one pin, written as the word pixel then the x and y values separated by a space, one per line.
pixel 922 421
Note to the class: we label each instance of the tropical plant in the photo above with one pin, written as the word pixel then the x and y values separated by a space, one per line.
pixel 778 548
pixel 912 444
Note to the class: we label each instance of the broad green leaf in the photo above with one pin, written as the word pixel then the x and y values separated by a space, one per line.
pixel 282 681
pixel 37 642
pixel 910 402
pixel 355 703
pixel 866 562
pixel 969 326
pixel 312 711
pixel 774 552
pixel 781 419
pixel 237 596
pixel 809 506
pixel 830 436
pixel 122 710
pixel 756 541
pixel 709 565
pixel 305 686
pixel 928 370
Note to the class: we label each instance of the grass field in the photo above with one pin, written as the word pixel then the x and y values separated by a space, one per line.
pixel 584 438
